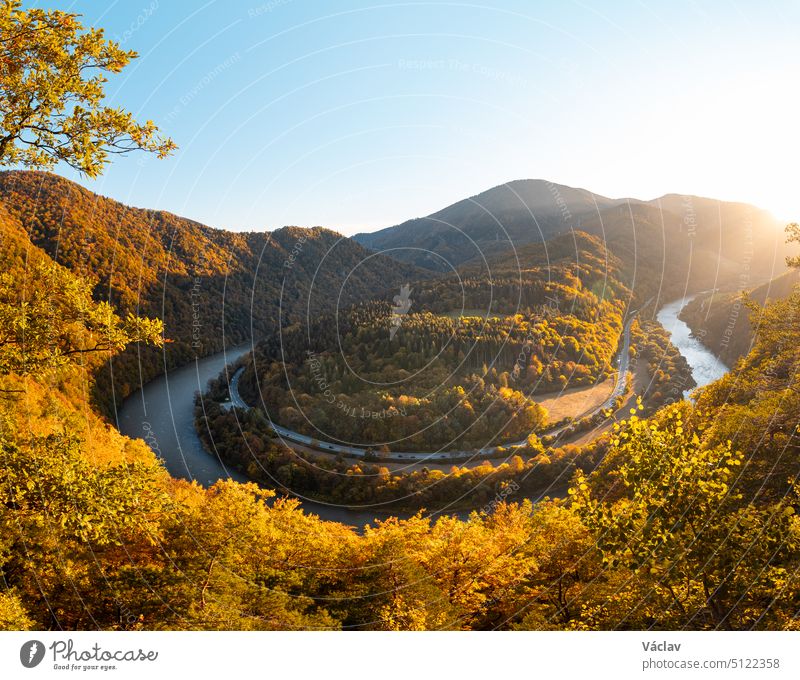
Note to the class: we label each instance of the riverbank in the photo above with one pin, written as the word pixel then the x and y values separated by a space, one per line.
pixel 162 413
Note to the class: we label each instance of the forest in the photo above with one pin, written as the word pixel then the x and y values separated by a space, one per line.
pixel 686 518
pixel 446 376
pixel 245 440
pixel 95 534
pixel 674 528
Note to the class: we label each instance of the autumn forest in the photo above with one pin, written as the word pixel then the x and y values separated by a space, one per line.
pixel 441 425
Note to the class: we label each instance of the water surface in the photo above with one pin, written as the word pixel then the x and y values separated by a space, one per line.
pixel 706 367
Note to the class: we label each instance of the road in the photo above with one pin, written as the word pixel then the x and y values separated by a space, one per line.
pixel 623 362
pixel 236 398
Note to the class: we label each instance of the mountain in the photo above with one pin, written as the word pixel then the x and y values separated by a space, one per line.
pixel 210 286
pixel 511 214
pixel 668 245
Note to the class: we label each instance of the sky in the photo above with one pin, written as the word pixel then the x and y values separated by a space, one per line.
pixel 359 115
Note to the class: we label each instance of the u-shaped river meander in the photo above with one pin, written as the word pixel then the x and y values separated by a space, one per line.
pixel 162 413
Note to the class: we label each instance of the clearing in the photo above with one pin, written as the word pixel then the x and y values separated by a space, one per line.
pixel 576 401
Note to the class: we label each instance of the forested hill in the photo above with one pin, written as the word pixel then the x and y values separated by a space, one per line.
pixel 721 321
pixel 685 524
pixel 511 214
pixel 210 286
pixel 682 242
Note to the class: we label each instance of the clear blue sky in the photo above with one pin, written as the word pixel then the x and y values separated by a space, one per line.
pixel 359 115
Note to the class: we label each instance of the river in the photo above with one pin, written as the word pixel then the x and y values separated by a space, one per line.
pixel 706 368
pixel 162 413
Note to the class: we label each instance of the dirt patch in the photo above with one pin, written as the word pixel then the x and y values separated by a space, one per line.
pixel 638 388
pixel 575 402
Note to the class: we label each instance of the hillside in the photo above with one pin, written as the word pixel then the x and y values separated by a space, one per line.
pixel 209 286
pixel 95 535
pixel 722 320
pixel 669 245
pixel 755 405
pixel 512 214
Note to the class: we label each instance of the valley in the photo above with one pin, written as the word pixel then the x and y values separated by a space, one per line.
pixel 554 324
pixel 557 288
pixel 163 412
pixel 445 382
pixel 529 407
pixel 209 286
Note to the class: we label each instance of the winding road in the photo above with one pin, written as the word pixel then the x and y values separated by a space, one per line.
pixel 622 360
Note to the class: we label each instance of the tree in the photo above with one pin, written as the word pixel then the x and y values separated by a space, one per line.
pixel 567 564
pixel 50 318
pixel 675 519
pixel 235 563
pixel 51 93
pixel 793 236
pixel 60 517
pixel 534 445
pixel 12 613
pixel 404 596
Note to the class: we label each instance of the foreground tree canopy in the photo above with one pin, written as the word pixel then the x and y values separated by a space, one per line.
pixel 51 94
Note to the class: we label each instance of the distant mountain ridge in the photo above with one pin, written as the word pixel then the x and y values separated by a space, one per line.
pixel 507 215
pixel 686 242
pixel 212 286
